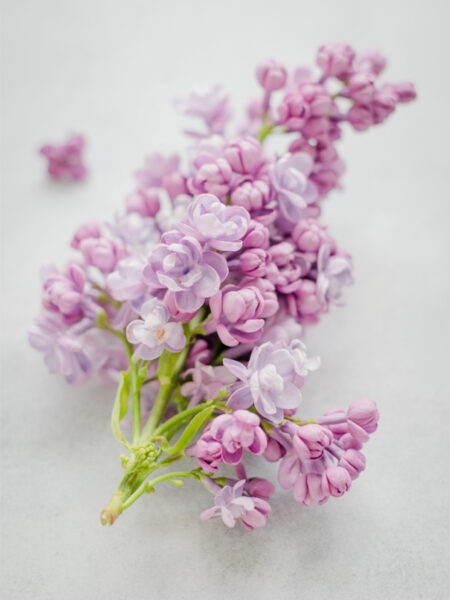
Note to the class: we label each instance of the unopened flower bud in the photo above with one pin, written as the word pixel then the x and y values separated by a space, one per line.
pixel 336 481
pixel 271 75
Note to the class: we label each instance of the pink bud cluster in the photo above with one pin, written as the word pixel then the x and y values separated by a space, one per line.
pixel 320 460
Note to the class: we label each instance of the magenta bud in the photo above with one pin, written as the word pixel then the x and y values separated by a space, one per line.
pixel 274 451
pixel 404 90
pixel 311 440
pixel 361 87
pixel 251 195
pixel 257 236
pixel 335 60
pixel 353 461
pixel 372 61
pixel 103 253
pixel 309 235
pixel 259 488
pixel 308 490
pixel 87 230
pixel 293 111
pixel 364 413
pixel 348 441
pixel 175 184
pixel 384 103
pixel 360 117
pixel 271 75
pixel 244 155
pixel 254 262
pixel 336 481
pixel 316 127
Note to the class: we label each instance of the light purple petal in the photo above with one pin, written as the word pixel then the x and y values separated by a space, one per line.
pixel 237 368
pixel 241 398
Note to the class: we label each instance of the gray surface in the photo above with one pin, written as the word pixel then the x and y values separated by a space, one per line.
pixel 110 69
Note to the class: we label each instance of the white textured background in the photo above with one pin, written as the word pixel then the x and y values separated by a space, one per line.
pixel 109 69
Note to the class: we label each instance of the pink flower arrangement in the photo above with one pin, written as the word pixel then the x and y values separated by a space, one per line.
pixel 201 309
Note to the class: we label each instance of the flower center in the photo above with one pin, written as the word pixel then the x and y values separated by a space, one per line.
pixel 270 381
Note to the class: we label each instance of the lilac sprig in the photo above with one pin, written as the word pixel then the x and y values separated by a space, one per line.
pixel 194 299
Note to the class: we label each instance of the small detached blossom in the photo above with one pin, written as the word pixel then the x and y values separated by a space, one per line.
pixel 153 333
pixel 65 161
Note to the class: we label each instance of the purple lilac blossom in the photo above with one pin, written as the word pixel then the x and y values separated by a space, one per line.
pixel 200 353
pixel 334 271
pixel 155 168
pixel 225 439
pixel 106 354
pixel 212 175
pixel 244 155
pixel 207 381
pixel 290 178
pixel 209 104
pixel 126 282
pixel 64 294
pixel 231 505
pixel 61 346
pixel 190 273
pixel 237 314
pixel 102 252
pixel 269 382
pixel 139 234
pixel 212 222
pixel 153 333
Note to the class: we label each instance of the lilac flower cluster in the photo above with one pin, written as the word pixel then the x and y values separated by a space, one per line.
pixel 321 460
pixel 194 297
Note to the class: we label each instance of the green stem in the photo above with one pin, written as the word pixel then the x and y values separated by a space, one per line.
pixel 130 481
pixel 148 485
pixel 168 383
pixel 135 400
